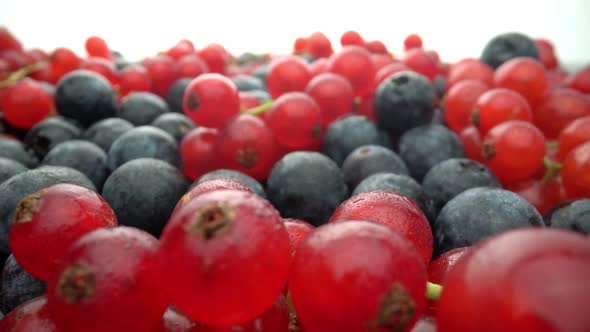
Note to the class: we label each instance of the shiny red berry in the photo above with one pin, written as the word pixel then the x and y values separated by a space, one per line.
pixel 355 64
pixel 393 210
pixel 134 79
pixel 333 93
pixel 376 47
pixel 210 100
pixel 574 134
pixel 208 186
pixel 163 72
pixel 319 66
pixel 381 60
pixel 576 172
pixel 26 103
pixel 499 105
pixel 63 61
pixel 471 139
pixel 215 56
pixel 547 53
pixel 412 41
pixel 389 70
pixel 197 152
pixel 31 316
pixel 287 74
pixel 295 120
pixel 109 280
pixel 191 66
pixel 543 196
pixel 579 80
pixel 558 109
pixel 357 276
pixel 470 70
pixel 8 41
pixel 523 75
pixel 319 45
pixel 460 101
pixel 439 269
pixel 298 230
pixel 226 257
pixel 181 49
pixel 97 47
pixel 419 61
pixel 300 45
pixel 103 67
pixel 351 37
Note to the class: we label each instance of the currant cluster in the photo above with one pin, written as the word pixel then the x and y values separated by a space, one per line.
pixel 330 189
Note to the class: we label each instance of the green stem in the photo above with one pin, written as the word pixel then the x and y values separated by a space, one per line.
pixel 267 105
pixel 552 170
pixel 433 291
pixel 553 144
pixel 25 71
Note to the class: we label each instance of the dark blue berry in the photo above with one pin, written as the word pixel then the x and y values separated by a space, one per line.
pixel 18 286
pixel 48 133
pixel 175 124
pixel 573 215
pixel 105 132
pixel 508 46
pixel 367 160
pixel 176 93
pixel 15 150
pixel 142 108
pixel 10 168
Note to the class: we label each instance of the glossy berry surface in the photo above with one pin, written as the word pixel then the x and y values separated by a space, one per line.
pixel 287 74
pixel 110 277
pixel 197 151
pixel 295 120
pixel 393 210
pixel 319 45
pixel 298 230
pixel 334 95
pixel 558 109
pixel 497 106
pixel 210 100
pixel 514 150
pixel 239 257
pixel 357 276
pixel 26 103
pixel 134 78
pixel 47 222
pixel 438 271
pixel 30 316
pixel 574 134
pixel 459 102
pixel 471 70
pixel 526 262
pixel 523 75
pixel 419 61
pixel 355 64
pixel 472 141
pixel 576 172
pixel 163 71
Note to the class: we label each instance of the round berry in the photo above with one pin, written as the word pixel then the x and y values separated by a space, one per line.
pixel 319 45
pixel 574 134
pixel 471 70
pixel 412 41
pixel 576 172
pixel 523 75
pixel 287 74
pixel 351 37
pixel 355 64
pixel 497 106
pixel 334 95
pixel 459 102
pixel 298 230
pixel 295 120
pixel 26 103
pixel 134 78
pixel 558 109
pixel 163 72
pixel 96 46
pixel 30 316
pixel 197 152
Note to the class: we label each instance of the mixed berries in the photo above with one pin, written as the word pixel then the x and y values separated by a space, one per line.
pixel 337 188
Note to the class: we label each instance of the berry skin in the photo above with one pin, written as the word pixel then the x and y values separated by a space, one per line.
pixel 319 45
pixel 377 47
pixel 298 230
pixel 558 109
pixel 388 70
pixel 134 78
pixel 471 70
pixel 242 178
pixel 295 120
pixel 367 160
pixel 26 103
pixel 96 46
pixel 175 124
pixel 10 168
pixel 15 150
pixel 355 64
pixel 197 152
pixel 63 61
pixel 543 196
pixel 479 213
pixel 215 57
pixel 300 45
pixel 351 38
pixel 499 105
pixel 576 172
pixel 392 210
pixel 547 54
pixel 574 134
pixel 48 133
pixel 523 75
pixel 30 316
pixel 287 74
pixel 230 250
pixel 357 276
pixel 210 100
pixel 49 221
pixel 532 264
pixel 208 186
pixel 105 132
pixel 412 41
pixel 173 321
pixel 142 108
pixel 573 215
pixel 514 150
pixel 419 61
pixel 191 66
pixel 334 95
pixel 471 139
pixel 112 278
pixel 163 71
pixel 246 144
pixel 507 46
pixel 439 269
pixel 459 102
pixel 103 67
pixel 176 94
pixel 579 80
pixel 17 286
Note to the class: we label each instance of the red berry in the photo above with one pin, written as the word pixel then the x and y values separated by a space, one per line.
pixel 191 66
pixel 215 56
pixel 530 279
pixel 319 66
pixel 181 49
pixel 287 74
pixel 543 196
pixel 419 61
pixel 471 70
pixel 525 76
pixel 351 38
pixel 103 67
pixel 30 316
pixel 471 139
pixel 163 72
pixel 558 109
pixel 26 103
pixel 246 144
pixel 514 150
pixel 319 45
pixel 381 60
pixel 574 134
pixel 357 276
pixel 499 105
pixel 393 210
pixel 210 100
pixel 300 45
pixel 208 186
pixel 248 100
pixel 355 64
pixel 295 120
pixel 376 47
pixel 576 172
pixel 298 230
pixel 109 280
pixel 134 79
pixel 226 257
pixel 97 47
pixel 579 80
pixel 547 53
pixel 15 59
pixel 63 61
pixel 197 152
pixel 365 108
pixel 555 78
pixel 439 269
pixel 8 41
pixel 334 95
pixel 459 102
pixel 412 41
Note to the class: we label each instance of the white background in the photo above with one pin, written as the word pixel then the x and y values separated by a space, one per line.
pixel 456 29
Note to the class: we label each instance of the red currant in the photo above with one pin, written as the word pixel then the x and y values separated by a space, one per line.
pixel 248 100
pixel 210 100
pixel 543 196
pixel 471 139
pixel 208 186
pixel 26 103
pixel 389 70
pixel 97 47
pixel 181 49
pixel 163 72
pixel 298 230
pixel 287 74
pixel 319 45
pixel 579 80
pixel 576 172
pixel 226 257
pixel 470 70
pixel 514 150
pixel 103 67
pixel 412 41
pixel 499 105
pixel 354 63
pixel 439 269
pixel 351 38
pixel 8 41
pixel 547 53
pixel 334 95
pixel 574 134
pixel 300 45
pixel 30 316
pixel 215 56
pixel 376 47
pixel 63 61
pixel 319 66
pixel 197 152
pixel 523 75
pixel 419 61
pixel 381 60
pixel 191 66
pixel 558 109
pixel 295 120
pixel 134 79
pixel 459 102
pixel 357 276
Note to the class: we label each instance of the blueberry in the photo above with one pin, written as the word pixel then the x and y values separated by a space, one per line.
pixel 18 286
pixel 440 86
pixel 438 117
pixel 247 83
pixel 83 156
pixel 348 133
pixel 238 176
pixel 307 186
pixel 15 150
pixel 85 96
pixel 507 46
pixel 6 128
pixel 10 168
pixel 105 132
pixel 142 108
pixel 144 192
pixel 176 94
pixel 144 142
pixel 175 124
pixel 29 182
pixel 401 184
pixel 262 73
pixel 573 215
pixel 479 213
pixel 425 146
pixel 367 160
pixel 48 133
pixel 403 101
pixel 451 177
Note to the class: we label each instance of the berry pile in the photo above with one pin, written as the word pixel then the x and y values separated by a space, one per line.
pixel 331 189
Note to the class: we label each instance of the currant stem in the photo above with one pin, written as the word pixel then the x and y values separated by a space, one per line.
pixel 433 291
pixel 267 105
pixel 552 169
pixel 22 73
